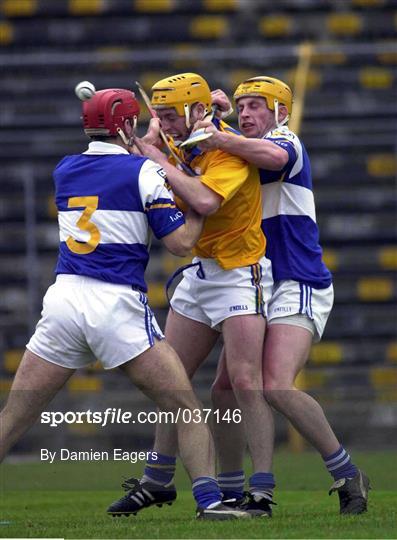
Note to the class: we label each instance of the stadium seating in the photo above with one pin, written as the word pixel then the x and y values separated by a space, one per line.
pixel 349 128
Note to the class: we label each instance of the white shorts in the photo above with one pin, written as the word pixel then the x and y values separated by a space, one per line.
pixel 209 294
pixel 291 298
pixel 84 320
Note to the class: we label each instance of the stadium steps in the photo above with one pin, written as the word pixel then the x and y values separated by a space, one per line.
pixel 91 27
pixel 372 79
pixel 49 8
pixel 358 260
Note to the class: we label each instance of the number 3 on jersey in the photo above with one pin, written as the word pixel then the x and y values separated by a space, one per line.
pixel 90 204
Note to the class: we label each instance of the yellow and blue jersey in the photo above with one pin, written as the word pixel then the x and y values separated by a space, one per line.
pixel 232 235
pixel 107 201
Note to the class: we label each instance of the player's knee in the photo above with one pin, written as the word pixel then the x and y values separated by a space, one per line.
pixel 244 381
pixel 276 391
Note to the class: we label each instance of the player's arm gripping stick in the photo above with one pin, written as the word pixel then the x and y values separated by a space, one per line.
pixel 163 136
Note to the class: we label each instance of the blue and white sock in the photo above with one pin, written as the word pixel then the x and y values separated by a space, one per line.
pixel 261 484
pixel 206 492
pixel 340 465
pixel 159 471
pixel 232 484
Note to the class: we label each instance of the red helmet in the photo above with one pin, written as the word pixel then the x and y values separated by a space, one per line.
pixel 107 110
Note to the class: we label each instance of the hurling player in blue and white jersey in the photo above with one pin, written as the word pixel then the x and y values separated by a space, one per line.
pixel 108 200
pixel 302 296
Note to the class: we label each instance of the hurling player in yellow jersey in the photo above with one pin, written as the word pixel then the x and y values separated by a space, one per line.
pixel 226 288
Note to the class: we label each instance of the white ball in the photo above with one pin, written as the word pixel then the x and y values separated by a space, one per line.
pixel 84 90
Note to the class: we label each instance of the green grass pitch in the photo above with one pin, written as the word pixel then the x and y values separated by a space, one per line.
pixel 68 500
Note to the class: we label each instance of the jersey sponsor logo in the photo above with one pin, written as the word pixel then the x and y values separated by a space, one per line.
pixel 282 132
pixel 162 173
pixel 176 216
pixel 281 143
pixel 241 307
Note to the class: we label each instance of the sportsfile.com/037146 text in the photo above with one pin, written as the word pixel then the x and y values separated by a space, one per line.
pixel 118 416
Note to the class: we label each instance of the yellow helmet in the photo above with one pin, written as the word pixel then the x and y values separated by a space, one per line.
pixel 181 91
pixel 273 90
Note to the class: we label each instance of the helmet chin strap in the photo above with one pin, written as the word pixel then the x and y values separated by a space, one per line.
pixel 186 107
pixel 128 142
pixel 187 114
pixel 276 111
pixel 122 135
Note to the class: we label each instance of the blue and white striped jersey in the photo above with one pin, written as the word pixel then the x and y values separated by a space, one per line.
pixel 107 200
pixel 289 216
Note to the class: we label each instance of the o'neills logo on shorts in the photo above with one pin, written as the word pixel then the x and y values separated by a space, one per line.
pixel 242 307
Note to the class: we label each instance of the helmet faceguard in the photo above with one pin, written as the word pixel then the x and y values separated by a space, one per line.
pixel 181 92
pixel 105 113
pixel 274 91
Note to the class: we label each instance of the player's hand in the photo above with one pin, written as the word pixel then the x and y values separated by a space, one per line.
pixel 224 106
pixel 212 142
pixel 153 133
